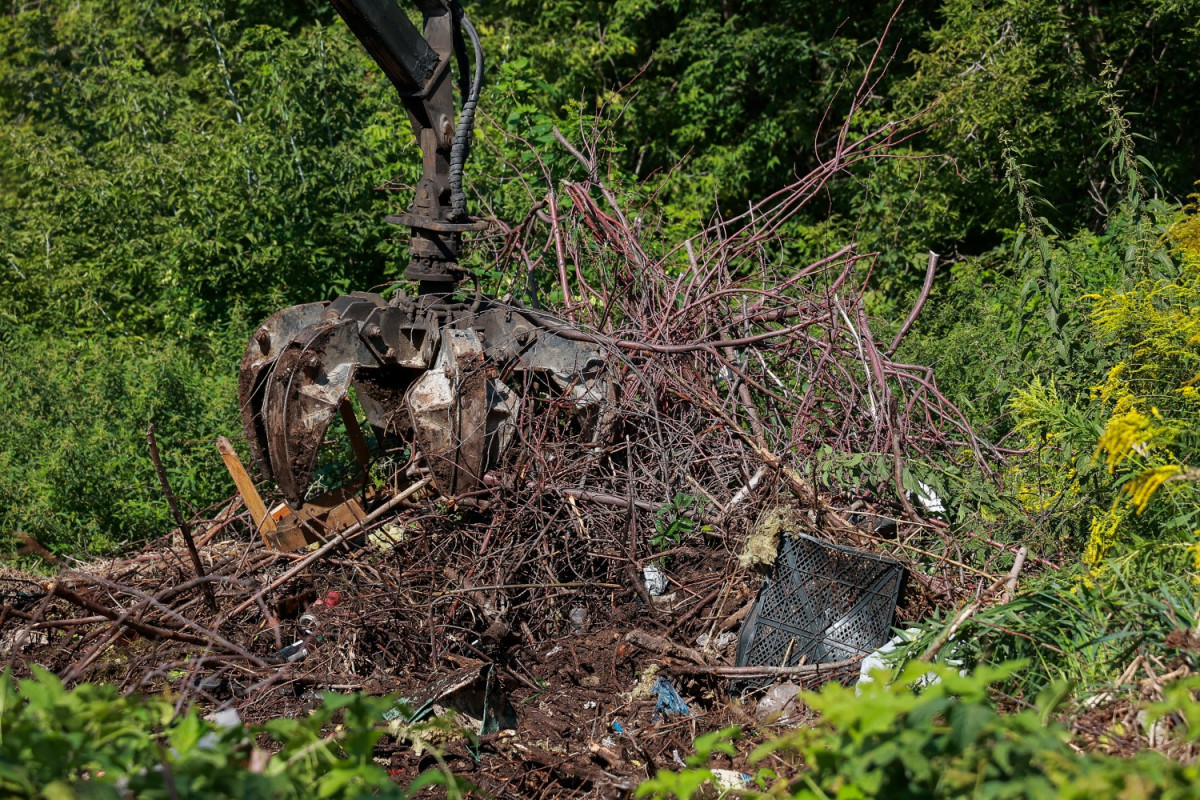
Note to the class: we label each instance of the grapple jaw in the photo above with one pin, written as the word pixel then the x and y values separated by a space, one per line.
pixel 308 384
pixel 423 372
pixel 262 352
pixel 292 383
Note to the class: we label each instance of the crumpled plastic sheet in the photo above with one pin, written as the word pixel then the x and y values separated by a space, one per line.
pixel 669 702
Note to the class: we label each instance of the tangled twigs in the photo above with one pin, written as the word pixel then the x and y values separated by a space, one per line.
pixel 970 609
pixel 622 502
pixel 149 631
pixel 803 490
pixel 767 672
pixel 207 636
pixel 334 542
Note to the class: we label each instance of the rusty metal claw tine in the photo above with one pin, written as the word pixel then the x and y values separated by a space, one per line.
pixel 268 341
pixel 302 394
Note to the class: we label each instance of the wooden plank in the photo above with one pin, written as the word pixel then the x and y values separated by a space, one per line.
pixel 288 537
pixel 328 514
pixel 283 529
pixel 263 523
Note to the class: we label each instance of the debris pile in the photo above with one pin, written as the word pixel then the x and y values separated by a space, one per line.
pixel 581 613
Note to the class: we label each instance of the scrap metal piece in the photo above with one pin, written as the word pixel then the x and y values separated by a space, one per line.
pixel 579 373
pixel 502 407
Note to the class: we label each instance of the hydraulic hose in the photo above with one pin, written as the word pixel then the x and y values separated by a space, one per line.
pixel 461 146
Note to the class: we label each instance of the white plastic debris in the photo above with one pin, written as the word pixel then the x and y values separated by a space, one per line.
pixel 885 658
pixel 722 640
pixel 656 579
pixel 226 718
pixel 666 602
pixel 929 499
pixel 779 704
pixel 730 779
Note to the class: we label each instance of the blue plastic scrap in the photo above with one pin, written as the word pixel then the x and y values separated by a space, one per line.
pixel 669 703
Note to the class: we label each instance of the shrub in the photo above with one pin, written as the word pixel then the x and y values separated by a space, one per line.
pixel 91 742
pixel 948 740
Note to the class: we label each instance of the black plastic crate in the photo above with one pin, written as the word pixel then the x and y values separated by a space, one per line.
pixel 822 603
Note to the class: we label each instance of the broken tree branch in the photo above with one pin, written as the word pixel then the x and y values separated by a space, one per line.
pixel 1010 585
pixel 144 629
pixel 930 271
pixel 973 607
pixel 664 647
pixel 185 530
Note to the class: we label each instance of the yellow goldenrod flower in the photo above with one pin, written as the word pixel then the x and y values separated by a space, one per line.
pixel 1102 534
pixel 1134 432
pixel 1143 487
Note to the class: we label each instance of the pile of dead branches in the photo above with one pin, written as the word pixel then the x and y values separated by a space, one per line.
pixel 734 370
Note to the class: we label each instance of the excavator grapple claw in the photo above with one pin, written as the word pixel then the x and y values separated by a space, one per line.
pixel 425 373
pixel 442 377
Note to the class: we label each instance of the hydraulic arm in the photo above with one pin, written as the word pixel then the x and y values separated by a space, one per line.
pixel 419 67
pixel 427 370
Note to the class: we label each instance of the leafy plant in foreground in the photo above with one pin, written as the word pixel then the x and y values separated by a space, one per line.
pixel 948 740
pixel 92 742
